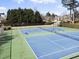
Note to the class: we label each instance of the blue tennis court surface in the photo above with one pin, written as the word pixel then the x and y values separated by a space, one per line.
pixel 52 46
pixel 34 30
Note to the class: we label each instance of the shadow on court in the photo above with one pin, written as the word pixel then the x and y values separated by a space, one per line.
pixel 4 38
pixel 5 45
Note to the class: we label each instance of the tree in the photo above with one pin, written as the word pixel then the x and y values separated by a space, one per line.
pixel 76 14
pixel 70 5
pixel 38 18
pixel 11 16
pixel 48 14
pixel 53 15
pixel 23 16
pixel 30 13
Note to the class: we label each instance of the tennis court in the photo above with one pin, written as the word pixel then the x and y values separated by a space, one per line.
pixel 59 43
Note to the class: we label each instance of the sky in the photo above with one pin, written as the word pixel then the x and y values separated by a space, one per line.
pixel 43 6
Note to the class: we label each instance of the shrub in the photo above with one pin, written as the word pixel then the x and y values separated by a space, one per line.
pixel 7 28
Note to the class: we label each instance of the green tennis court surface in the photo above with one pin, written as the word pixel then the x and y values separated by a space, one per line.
pixel 52 43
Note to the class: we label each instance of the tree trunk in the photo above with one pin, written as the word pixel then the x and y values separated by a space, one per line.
pixel 70 15
pixel 73 21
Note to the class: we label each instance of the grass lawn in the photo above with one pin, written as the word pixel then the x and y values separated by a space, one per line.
pixel 19 49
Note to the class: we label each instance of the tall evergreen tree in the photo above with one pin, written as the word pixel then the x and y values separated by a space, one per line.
pixel 23 16
pixel 48 14
pixel 38 18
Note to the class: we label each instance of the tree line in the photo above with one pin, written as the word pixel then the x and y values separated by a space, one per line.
pixel 23 17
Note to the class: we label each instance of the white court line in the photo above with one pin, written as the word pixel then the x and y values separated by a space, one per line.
pixel 30 47
pixel 58 39
pixel 56 43
pixel 58 51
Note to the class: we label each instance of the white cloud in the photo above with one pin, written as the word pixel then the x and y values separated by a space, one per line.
pixel 3 9
pixel 44 1
pixel 19 1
